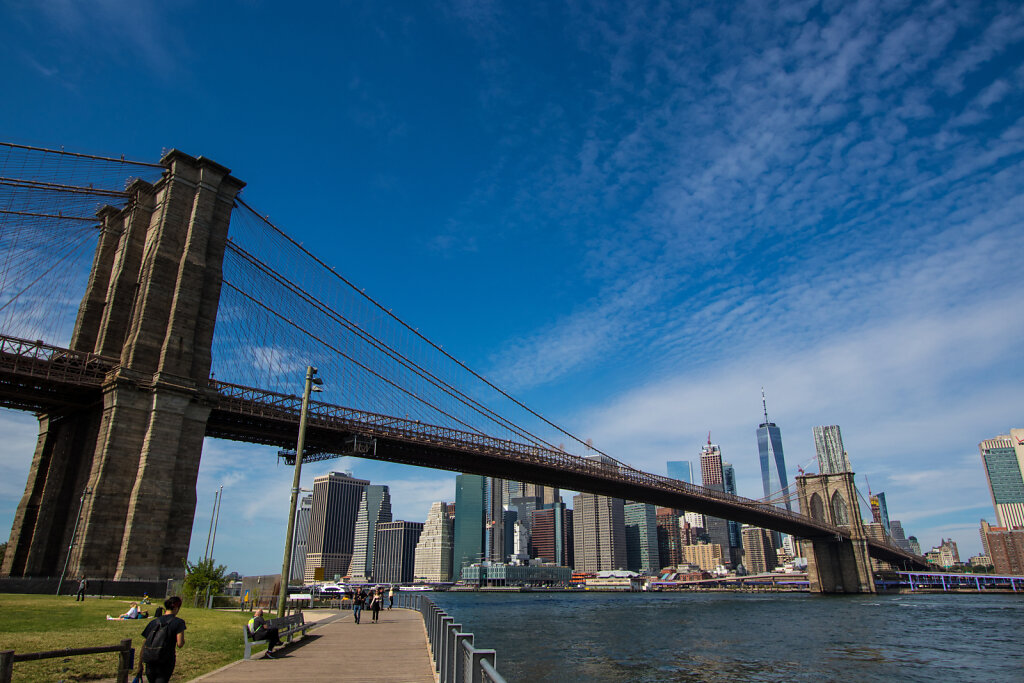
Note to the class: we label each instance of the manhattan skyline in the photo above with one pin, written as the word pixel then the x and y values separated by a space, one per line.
pixel 632 218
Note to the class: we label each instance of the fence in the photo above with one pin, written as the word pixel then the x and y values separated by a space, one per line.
pixel 456 660
pixel 124 658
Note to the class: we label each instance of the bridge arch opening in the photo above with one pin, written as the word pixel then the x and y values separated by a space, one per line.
pixel 817 508
pixel 840 512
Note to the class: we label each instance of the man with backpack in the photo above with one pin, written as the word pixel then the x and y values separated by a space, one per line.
pixel 163 636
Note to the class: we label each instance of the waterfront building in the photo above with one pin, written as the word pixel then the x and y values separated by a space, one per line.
pixel 433 555
pixel 945 554
pixel 332 525
pixel 713 477
pixel 681 470
pixel 1006 550
pixel 552 534
pixel 297 569
pixel 670 545
pixel 707 556
pixel 774 480
pixel 394 551
pixel 1005 482
pixel 758 551
pixel 469 522
pixel 599 531
pixel 642 553
pixel 980 561
pixel 374 507
pixel 828 444
pixel 502 574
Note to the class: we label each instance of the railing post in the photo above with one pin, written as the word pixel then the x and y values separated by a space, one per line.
pixel 124 664
pixel 442 654
pixel 6 666
pixel 478 657
pixel 448 676
pixel 463 646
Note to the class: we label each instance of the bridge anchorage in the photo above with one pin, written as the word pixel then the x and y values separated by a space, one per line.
pixel 125 404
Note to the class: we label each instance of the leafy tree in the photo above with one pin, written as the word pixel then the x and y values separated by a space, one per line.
pixel 203 575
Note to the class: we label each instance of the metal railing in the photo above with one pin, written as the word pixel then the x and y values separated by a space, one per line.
pixel 455 658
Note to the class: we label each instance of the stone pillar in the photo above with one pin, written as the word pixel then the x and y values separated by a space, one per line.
pixel 835 564
pixel 151 301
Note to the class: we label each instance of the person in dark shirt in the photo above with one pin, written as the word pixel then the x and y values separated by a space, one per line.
pixel 259 630
pixel 358 600
pixel 160 671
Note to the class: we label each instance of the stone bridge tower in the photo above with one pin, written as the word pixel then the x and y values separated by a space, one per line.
pixel 835 565
pixel 151 302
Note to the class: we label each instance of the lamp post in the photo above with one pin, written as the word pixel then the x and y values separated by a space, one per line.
pixel 74 535
pixel 312 384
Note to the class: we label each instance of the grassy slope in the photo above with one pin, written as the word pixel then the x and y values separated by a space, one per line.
pixel 37 623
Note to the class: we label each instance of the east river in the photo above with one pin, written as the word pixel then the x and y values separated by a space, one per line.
pixel 745 637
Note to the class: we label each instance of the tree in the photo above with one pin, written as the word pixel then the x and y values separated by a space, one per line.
pixel 202 576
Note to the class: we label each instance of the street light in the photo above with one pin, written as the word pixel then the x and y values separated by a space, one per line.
pixel 312 384
pixel 74 534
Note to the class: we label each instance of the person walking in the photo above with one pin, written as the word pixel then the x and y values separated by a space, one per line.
pixel 375 603
pixel 358 600
pixel 82 585
pixel 391 597
pixel 163 637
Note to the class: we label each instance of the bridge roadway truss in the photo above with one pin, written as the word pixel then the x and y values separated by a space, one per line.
pixel 40 377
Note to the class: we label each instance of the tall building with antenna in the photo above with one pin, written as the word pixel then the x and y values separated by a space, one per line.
pixel 774 480
pixel 713 477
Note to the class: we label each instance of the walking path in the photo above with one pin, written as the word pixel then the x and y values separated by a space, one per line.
pixel 395 649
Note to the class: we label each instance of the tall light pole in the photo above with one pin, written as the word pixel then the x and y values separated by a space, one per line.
pixel 312 384
pixel 74 535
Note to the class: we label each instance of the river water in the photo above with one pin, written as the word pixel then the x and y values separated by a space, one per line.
pixel 745 637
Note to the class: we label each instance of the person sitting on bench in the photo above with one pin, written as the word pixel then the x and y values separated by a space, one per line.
pixel 258 629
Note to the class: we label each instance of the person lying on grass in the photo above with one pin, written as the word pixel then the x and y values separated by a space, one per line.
pixel 132 613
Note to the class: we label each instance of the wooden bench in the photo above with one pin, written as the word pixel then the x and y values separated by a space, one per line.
pixel 286 627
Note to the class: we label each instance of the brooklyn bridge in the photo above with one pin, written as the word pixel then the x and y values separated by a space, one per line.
pixel 147 306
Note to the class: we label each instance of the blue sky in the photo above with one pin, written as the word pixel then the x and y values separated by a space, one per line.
pixel 632 215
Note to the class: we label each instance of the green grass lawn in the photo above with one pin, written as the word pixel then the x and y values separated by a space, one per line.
pixel 38 623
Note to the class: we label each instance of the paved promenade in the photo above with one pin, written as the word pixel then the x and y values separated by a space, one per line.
pixel 395 649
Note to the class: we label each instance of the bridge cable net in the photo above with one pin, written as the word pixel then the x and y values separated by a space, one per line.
pixel 282 308
pixel 48 233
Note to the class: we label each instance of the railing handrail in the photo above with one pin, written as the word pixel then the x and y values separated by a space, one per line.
pixel 450 648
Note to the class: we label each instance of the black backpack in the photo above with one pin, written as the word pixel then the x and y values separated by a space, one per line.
pixel 153 651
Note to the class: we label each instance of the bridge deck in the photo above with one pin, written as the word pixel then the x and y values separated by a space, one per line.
pixel 393 650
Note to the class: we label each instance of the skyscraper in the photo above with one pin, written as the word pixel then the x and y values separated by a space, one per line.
pixel 374 507
pixel 599 531
pixel 547 494
pixel 713 477
pixel 828 444
pixel 681 470
pixel 297 571
pixel 1005 483
pixel 774 480
pixel 670 543
pixel 729 482
pixel 552 534
pixel 394 551
pixel 433 558
pixel 332 524
pixel 880 511
pixel 758 550
pixel 469 522
pixel 897 534
pixel 641 538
